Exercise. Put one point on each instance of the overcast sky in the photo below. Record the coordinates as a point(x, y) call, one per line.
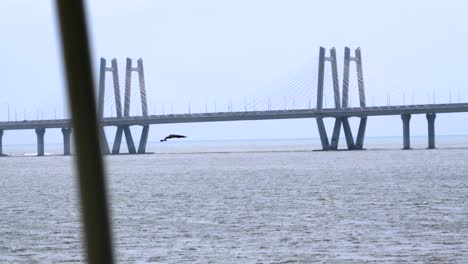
point(206, 53)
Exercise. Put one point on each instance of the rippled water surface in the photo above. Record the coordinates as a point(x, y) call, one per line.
point(291, 206)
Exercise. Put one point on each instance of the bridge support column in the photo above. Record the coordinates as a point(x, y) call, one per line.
point(323, 134)
point(1, 143)
point(40, 141)
point(336, 134)
point(431, 129)
point(361, 133)
point(117, 141)
point(66, 141)
point(129, 139)
point(104, 145)
point(143, 140)
point(320, 81)
point(348, 133)
point(406, 130)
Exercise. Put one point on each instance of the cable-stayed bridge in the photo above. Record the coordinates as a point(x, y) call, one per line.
point(254, 109)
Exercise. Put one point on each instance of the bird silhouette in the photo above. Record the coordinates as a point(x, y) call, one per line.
point(172, 136)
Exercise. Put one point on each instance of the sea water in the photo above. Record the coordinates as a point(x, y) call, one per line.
point(253, 201)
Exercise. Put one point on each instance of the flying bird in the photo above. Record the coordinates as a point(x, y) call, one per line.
point(172, 136)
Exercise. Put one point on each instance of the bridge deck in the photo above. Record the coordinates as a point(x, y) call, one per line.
point(247, 115)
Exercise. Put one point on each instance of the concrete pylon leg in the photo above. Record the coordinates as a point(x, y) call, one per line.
point(320, 81)
point(141, 79)
point(40, 141)
point(143, 139)
point(128, 87)
point(323, 134)
point(431, 129)
point(115, 76)
point(104, 144)
point(336, 85)
point(102, 88)
point(66, 140)
point(406, 130)
point(345, 96)
point(361, 133)
point(336, 134)
point(360, 77)
point(348, 134)
point(129, 139)
point(117, 141)
point(1, 143)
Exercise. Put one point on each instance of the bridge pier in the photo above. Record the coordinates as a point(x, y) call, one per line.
point(336, 134)
point(40, 141)
point(406, 130)
point(351, 143)
point(1, 143)
point(348, 134)
point(130, 143)
point(104, 145)
point(431, 129)
point(117, 141)
point(143, 140)
point(129, 139)
point(323, 134)
point(66, 141)
point(361, 133)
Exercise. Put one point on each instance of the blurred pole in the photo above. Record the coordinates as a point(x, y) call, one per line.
point(80, 81)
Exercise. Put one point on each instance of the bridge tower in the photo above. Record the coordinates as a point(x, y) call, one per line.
point(124, 129)
point(351, 143)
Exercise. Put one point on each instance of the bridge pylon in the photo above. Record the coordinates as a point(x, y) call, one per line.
point(343, 103)
point(124, 129)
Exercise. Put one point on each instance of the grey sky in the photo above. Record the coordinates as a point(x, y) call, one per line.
point(214, 51)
